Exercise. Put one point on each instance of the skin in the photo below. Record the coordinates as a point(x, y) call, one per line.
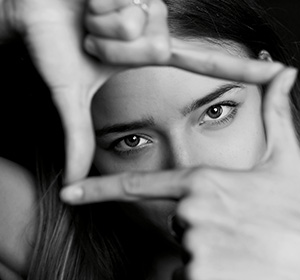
point(58, 35)
point(281, 156)
point(171, 134)
point(77, 28)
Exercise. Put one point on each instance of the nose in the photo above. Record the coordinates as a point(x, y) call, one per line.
point(181, 153)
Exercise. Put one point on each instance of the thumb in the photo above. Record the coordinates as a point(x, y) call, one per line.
point(280, 131)
point(79, 139)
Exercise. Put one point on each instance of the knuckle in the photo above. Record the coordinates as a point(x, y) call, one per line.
point(190, 178)
point(207, 177)
point(190, 241)
point(91, 47)
point(105, 53)
point(160, 49)
point(92, 25)
point(131, 183)
point(186, 211)
point(203, 184)
point(93, 191)
point(129, 29)
point(198, 180)
point(210, 64)
point(194, 271)
point(201, 256)
point(281, 109)
point(159, 8)
point(248, 71)
point(207, 174)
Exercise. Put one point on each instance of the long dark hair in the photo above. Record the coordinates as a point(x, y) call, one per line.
point(98, 241)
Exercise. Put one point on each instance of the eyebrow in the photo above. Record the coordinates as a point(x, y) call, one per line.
point(149, 122)
point(210, 97)
point(125, 127)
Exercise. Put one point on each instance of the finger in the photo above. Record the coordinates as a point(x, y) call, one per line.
point(107, 6)
point(79, 140)
point(207, 209)
point(280, 131)
point(74, 110)
point(130, 187)
point(136, 53)
point(151, 48)
point(213, 63)
point(125, 24)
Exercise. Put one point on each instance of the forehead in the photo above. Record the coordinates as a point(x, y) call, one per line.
point(152, 91)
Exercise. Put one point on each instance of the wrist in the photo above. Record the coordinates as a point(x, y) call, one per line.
point(7, 18)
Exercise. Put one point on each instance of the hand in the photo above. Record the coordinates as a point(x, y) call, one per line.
point(120, 34)
point(194, 59)
point(238, 224)
point(54, 32)
point(244, 225)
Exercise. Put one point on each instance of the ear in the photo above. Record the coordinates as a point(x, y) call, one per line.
point(265, 55)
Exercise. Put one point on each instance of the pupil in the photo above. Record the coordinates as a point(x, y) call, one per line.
point(132, 141)
point(215, 112)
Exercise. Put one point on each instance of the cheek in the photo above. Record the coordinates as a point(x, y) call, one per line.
point(240, 146)
point(154, 211)
point(108, 163)
point(241, 152)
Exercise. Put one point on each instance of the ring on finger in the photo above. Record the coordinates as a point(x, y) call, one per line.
point(143, 5)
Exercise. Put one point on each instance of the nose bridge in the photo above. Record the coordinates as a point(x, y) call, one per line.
point(182, 152)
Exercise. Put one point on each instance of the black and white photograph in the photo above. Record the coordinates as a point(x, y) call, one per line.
point(149, 140)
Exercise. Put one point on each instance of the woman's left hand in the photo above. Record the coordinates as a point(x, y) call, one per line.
point(56, 33)
point(237, 224)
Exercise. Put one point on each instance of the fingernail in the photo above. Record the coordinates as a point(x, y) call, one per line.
point(289, 79)
point(71, 194)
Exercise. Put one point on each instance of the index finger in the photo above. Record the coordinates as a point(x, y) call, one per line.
point(129, 187)
point(79, 139)
point(209, 62)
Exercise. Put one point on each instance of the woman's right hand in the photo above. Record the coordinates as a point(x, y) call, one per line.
point(246, 220)
point(236, 224)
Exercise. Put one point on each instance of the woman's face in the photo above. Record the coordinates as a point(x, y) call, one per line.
point(157, 118)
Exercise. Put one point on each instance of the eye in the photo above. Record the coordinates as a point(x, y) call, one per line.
point(215, 112)
point(221, 113)
point(130, 143)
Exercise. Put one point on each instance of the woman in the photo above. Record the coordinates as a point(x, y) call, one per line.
point(163, 118)
point(111, 246)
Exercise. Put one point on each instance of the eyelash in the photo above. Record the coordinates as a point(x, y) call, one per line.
point(132, 150)
point(224, 120)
